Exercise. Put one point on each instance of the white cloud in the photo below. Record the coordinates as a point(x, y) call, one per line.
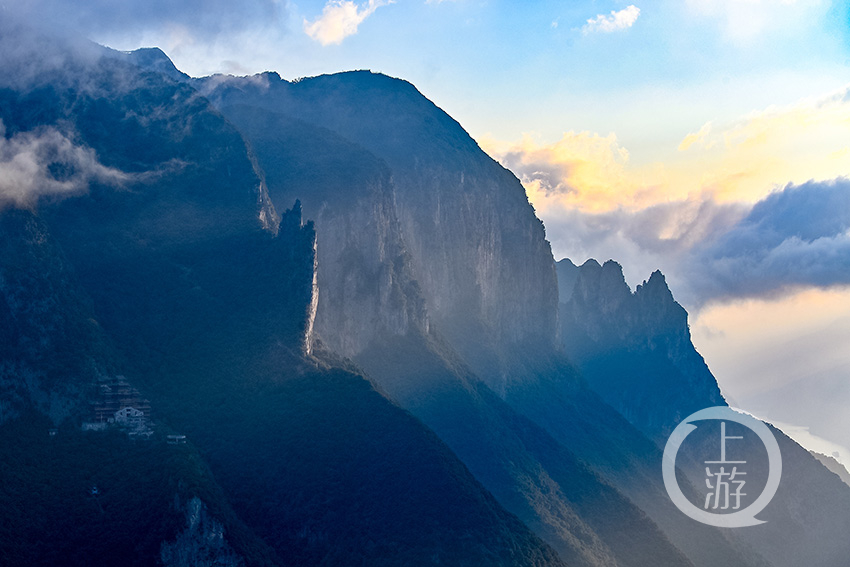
point(45, 162)
point(621, 20)
point(340, 19)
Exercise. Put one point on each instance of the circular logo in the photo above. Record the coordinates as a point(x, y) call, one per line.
point(722, 479)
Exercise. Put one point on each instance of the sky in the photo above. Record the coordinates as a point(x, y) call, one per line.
point(707, 138)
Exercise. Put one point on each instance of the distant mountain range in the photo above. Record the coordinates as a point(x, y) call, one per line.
point(343, 334)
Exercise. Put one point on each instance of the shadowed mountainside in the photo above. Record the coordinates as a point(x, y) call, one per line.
point(452, 380)
point(206, 299)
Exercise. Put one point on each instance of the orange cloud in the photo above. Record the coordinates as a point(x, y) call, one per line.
point(581, 170)
point(742, 161)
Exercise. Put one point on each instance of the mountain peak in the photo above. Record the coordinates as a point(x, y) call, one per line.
point(612, 274)
point(655, 289)
point(155, 59)
point(567, 273)
point(643, 341)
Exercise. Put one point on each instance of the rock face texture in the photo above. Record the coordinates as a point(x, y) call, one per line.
point(282, 347)
point(204, 296)
point(634, 349)
point(368, 291)
point(469, 236)
point(203, 542)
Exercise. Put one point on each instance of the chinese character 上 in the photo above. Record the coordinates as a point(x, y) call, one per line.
point(721, 484)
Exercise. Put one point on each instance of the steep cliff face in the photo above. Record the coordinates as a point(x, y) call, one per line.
point(367, 289)
point(634, 349)
point(475, 247)
point(471, 269)
point(207, 298)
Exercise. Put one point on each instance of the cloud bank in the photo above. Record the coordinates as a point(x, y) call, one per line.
point(796, 237)
point(340, 19)
point(47, 163)
point(732, 213)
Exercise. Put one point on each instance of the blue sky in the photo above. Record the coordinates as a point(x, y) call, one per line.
point(504, 68)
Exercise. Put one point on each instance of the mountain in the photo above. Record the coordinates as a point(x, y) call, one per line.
point(448, 369)
point(475, 247)
point(401, 380)
point(634, 350)
point(490, 409)
point(165, 261)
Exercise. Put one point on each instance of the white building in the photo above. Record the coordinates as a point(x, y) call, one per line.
point(130, 417)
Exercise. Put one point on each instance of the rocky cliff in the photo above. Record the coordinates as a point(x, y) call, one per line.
point(430, 254)
point(634, 349)
point(206, 298)
point(474, 245)
point(368, 290)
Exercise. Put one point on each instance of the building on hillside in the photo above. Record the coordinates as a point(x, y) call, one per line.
point(118, 402)
point(130, 417)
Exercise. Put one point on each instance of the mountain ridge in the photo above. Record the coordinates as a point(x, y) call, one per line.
point(207, 303)
point(333, 376)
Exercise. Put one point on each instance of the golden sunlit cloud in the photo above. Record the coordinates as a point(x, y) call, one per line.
point(581, 170)
point(782, 145)
point(741, 162)
point(695, 138)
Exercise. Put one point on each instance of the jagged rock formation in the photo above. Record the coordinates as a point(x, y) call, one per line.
point(474, 245)
point(634, 349)
point(368, 291)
